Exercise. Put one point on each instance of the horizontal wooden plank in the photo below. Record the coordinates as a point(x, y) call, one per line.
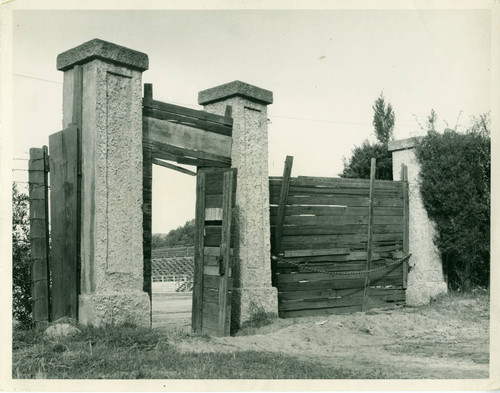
point(330, 241)
point(211, 321)
point(295, 210)
point(344, 183)
point(181, 110)
point(340, 220)
point(339, 201)
point(208, 126)
point(214, 182)
point(185, 156)
point(213, 214)
point(321, 311)
point(372, 301)
point(306, 253)
point(332, 293)
point(327, 257)
point(213, 282)
point(188, 138)
point(216, 200)
point(211, 295)
point(294, 230)
point(158, 151)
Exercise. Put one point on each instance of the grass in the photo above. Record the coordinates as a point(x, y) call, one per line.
point(128, 352)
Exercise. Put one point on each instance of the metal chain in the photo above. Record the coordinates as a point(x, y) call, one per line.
point(348, 273)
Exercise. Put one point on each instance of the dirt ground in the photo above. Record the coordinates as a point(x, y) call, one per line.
point(447, 339)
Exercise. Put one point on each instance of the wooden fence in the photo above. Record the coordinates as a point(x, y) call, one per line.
point(327, 232)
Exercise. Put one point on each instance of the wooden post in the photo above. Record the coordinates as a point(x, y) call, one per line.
point(227, 193)
point(147, 198)
point(198, 253)
point(406, 225)
point(280, 217)
point(369, 242)
point(39, 234)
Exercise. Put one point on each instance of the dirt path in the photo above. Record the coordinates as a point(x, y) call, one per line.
point(448, 339)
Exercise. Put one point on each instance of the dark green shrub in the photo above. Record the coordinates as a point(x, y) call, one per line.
point(21, 263)
point(455, 188)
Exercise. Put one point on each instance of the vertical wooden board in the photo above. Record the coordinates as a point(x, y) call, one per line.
point(225, 259)
point(406, 224)
point(147, 182)
point(39, 236)
point(369, 242)
point(196, 319)
point(64, 218)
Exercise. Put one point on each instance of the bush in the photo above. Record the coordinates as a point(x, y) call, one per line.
point(21, 262)
point(455, 188)
point(360, 163)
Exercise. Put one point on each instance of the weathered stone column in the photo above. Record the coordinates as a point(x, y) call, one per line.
point(252, 289)
point(111, 186)
point(425, 276)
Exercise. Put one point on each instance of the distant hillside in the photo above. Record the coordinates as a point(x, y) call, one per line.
point(180, 237)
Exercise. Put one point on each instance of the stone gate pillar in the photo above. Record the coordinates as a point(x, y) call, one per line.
point(425, 276)
point(252, 290)
point(111, 185)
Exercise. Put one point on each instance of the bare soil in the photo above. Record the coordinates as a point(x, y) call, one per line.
point(447, 339)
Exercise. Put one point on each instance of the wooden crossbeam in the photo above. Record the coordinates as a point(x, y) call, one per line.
point(174, 167)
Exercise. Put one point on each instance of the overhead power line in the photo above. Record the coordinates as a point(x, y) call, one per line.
point(38, 79)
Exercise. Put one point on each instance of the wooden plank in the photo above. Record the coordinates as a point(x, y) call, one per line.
point(224, 304)
point(199, 252)
point(213, 282)
point(340, 220)
point(344, 183)
point(164, 150)
point(332, 293)
point(205, 125)
point(216, 200)
point(309, 190)
point(210, 295)
point(406, 220)
point(369, 243)
point(174, 167)
point(213, 214)
point(339, 229)
point(147, 201)
point(197, 114)
point(178, 155)
point(315, 252)
point(372, 301)
point(214, 270)
point(64, 212)
point(293, 210)
point(188, 138)
point(341, 201)
point(39, 236)
point(280, 218)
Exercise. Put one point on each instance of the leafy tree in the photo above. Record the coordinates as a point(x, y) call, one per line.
point(21, 263)
point(455, 188)
point(358, 166)
point(181, 237)
point(383, 120)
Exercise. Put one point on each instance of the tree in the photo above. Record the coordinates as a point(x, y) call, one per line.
point(21, 262)
point(456, 191)
point(181, 237)
point(358, 166)
point(383, 120)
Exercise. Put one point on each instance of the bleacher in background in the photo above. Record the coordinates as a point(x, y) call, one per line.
point(173, 269)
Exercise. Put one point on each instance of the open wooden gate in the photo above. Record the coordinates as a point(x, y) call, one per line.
point(212, 291)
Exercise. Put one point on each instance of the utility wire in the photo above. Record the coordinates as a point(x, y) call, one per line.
point(38, 79)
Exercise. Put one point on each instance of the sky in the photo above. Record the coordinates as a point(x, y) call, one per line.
point(325, 68)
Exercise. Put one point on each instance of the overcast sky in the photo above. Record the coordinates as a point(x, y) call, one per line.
point(325, 68)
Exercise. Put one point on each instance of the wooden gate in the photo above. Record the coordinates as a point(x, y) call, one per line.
point(212, 291)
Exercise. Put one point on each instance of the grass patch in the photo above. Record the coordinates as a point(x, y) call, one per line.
point(128, 352)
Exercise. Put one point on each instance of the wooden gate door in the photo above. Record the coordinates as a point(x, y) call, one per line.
point(213, 282)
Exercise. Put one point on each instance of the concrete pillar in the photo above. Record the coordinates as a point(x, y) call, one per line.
point(252, 289)
point(425, 276)
point(111, 190)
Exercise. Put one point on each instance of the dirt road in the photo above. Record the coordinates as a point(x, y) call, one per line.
point(447, 339)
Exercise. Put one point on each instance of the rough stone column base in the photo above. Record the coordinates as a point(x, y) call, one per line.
point(115, 308)
point(249, 303)
point(420, 293)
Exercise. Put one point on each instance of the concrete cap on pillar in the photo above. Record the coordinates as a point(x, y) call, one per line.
point(235, 89)
point(404, 144)
point(103, 50)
